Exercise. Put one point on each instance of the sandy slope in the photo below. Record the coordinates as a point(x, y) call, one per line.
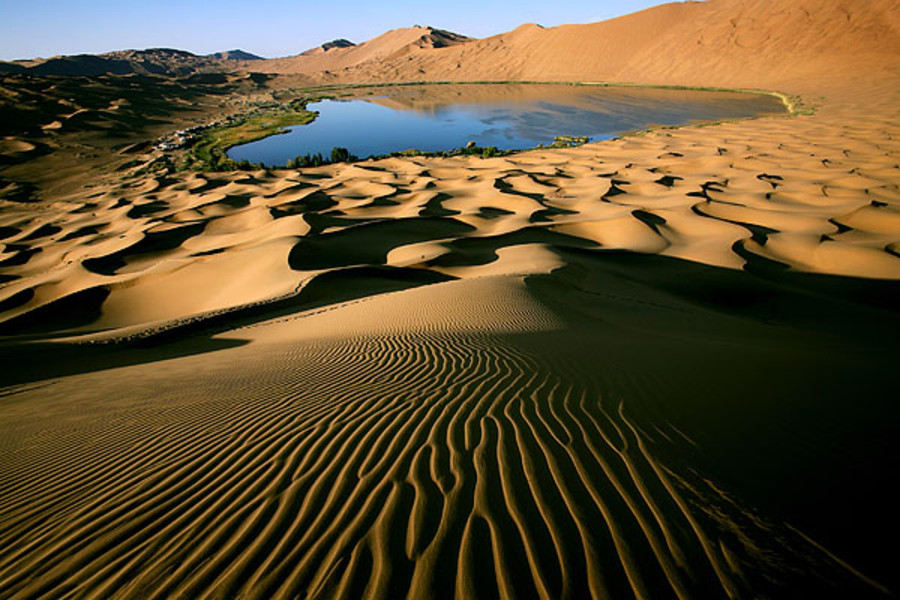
point(657, 366)
point(397, 44)
point(773, 45)
point(449, 440)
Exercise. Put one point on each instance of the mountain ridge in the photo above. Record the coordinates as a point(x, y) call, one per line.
point(148, 61)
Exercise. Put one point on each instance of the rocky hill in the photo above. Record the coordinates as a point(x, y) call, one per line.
point(152, 61)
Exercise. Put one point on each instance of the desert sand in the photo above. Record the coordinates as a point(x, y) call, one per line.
point(657, 366)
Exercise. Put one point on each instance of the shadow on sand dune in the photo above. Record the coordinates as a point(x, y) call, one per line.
point(673, 427)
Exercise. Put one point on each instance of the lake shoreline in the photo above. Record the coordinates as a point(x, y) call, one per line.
point(791, 105)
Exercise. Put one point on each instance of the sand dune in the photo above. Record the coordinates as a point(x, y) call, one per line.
point(776, 45)
point(433, 442)
point(657, 366)
point(396, 44)
point(674, 197)
point(475, 437)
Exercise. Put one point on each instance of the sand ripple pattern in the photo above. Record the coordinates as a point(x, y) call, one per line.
point(425, 464)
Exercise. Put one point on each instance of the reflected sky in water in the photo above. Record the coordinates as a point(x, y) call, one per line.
point(508, 117)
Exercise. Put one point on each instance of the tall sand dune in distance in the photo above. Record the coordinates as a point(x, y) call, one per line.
point(687, 43)
point(397, 44)
point(651, 367)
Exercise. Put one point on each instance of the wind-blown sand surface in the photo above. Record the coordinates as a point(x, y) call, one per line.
point(657, 366)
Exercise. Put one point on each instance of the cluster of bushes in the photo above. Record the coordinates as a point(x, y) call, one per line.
point(570, 140)
point(316, 160)
point(211, 157)
point(217, 162)
point(483, 152)
point(214, 159)
point(244, 165)
point(469, 150)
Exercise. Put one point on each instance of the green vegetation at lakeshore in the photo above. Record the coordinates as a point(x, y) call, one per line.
point(339, 155)
point(208, 151)
point(471, 149)
point(316, 160)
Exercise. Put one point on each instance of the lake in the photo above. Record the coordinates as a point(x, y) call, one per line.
point(433, 118)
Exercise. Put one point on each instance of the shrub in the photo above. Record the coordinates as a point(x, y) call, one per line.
point(340, 155)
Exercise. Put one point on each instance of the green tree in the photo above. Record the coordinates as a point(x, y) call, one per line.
point(339, 155)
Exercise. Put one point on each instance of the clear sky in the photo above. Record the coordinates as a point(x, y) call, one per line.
point(270, 28)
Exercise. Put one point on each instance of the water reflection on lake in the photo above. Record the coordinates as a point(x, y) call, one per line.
point(432, 118)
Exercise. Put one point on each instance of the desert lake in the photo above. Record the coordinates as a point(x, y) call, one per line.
point(436, 118)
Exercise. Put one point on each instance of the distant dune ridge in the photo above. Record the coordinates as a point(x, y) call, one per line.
point(657, 366)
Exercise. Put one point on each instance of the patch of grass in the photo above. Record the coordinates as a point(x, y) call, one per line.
point(209, 152)
point(795, 104)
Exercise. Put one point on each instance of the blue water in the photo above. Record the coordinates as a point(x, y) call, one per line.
point(506, 116)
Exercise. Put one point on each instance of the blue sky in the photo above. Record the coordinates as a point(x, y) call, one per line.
point(32, 28)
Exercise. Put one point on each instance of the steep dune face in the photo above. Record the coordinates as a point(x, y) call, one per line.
point(772, 42)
